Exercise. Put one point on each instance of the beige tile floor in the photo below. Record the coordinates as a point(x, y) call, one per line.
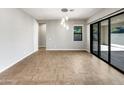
point(61, 67)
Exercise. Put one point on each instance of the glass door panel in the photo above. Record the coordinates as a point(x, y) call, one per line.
point(95, 38)
point(117, 41)
point(104, 48)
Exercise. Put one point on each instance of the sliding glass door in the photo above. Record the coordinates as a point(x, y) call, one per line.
point(95, 38)
point(104, 48)
point(107, 40)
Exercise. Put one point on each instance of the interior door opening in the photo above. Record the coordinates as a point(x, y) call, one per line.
point(42, 36)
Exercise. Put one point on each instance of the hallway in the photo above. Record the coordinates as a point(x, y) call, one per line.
point(61, 67)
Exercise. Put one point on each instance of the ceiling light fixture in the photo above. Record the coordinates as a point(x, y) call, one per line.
point(64, 20)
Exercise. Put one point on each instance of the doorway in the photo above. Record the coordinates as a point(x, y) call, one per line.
point(42, 36)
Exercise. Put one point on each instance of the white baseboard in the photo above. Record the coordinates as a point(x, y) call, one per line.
point(17, 61)
point(42, 46)
point(66, 49)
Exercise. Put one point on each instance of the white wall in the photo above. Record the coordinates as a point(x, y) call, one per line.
point(58, 38)
point(18, 36)
point(98, 15)
point(42, 35)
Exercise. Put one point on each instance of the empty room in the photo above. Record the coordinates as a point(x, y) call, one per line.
point(61, 46)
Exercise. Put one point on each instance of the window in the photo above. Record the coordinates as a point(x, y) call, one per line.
point(77, 33)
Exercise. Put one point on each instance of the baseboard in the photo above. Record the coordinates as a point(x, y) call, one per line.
point(41, 46)
point(12, 64)
point(87, 50)
point(66, 50)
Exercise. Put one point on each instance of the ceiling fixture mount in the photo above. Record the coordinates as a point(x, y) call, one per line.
point(67, 10)
point(71, 10)
point(64, 10)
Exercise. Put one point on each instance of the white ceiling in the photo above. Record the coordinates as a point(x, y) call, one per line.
point(55, 13)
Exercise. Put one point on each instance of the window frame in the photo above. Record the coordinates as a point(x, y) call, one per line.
point(78, 33)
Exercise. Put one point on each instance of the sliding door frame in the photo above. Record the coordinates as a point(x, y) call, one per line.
point(91, 39)
point(109, 40)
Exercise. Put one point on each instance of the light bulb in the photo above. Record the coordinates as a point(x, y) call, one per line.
point(66, 18)
point(67, 27)
point(64, 25)
point(62, 21)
